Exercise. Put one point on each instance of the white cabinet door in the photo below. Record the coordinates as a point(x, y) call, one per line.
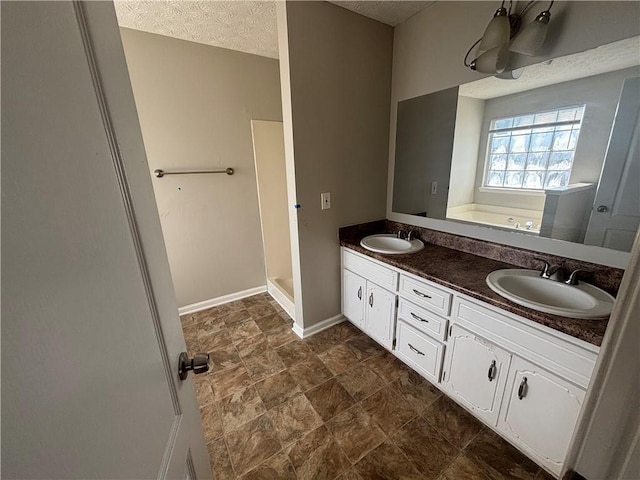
point(476, 373)
point(539, 412)
point(380, 314)
point(353, 295)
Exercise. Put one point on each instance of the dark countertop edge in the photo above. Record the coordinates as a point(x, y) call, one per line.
point(588, 330)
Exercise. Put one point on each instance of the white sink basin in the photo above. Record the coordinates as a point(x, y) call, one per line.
point(389, 243)
point(529, 289)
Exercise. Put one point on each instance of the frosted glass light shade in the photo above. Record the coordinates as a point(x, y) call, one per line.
point(497, 33)
point(530, 40)
point(510, 74)
point(492, 61)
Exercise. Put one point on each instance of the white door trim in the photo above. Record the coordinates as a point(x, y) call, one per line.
point(604, 436)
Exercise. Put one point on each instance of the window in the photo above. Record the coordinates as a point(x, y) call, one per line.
point(533, 151)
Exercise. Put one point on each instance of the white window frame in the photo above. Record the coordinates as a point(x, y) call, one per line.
point(555, 124)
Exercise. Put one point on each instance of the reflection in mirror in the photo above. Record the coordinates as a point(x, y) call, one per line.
point(553, 154)
point(423, 165)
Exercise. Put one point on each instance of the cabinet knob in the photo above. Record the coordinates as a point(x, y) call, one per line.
point(492, 371)
point(522, 389)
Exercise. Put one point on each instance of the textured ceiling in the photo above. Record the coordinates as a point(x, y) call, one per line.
point(391, 12)
point(607, 58)
point(247, 26)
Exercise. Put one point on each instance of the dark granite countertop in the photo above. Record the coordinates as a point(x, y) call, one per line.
point(466, 273)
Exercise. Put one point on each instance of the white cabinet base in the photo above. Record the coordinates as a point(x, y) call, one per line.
point(487, 354)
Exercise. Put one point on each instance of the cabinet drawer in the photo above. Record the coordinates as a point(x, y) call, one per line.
point(418, 350)
point(425, 294)
point(382, 276)
point(422, 319)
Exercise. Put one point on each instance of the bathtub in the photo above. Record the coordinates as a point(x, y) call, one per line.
point(523, 220)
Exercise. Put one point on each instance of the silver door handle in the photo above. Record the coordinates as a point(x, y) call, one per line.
point(522, 389)
point(492, 371)
point(602, 209)
point(360, 293)
point(415, 349)
point(371, 299)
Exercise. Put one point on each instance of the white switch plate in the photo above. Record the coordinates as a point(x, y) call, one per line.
point(325, 200)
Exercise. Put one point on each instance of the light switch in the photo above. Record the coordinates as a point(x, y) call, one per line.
point(434, 188)
point(325, 200)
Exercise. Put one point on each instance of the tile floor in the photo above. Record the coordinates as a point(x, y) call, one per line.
point(333, 406)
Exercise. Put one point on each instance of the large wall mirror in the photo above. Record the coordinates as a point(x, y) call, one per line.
point(553, 154)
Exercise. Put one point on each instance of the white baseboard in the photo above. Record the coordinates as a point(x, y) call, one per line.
point(196, 307)
point(281, 298)
point(318, 327)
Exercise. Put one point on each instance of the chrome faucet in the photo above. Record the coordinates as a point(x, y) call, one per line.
point(399, 233)
point(552, 272)
point(573, 278)
point(410, 235)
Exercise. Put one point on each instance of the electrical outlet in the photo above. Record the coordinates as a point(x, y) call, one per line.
point(325, 200)
point(434, 188)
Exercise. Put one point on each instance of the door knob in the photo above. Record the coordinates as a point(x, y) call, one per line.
point(198, 364)
point(603, 209)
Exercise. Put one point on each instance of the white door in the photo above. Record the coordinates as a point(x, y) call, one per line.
point(539, 412)
point(616, 212)
point(90, 331)
point(380, 314)
point(476, 373)
point(353, 293)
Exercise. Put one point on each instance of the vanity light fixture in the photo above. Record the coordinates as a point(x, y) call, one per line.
point(529, 41)
point(495, 44)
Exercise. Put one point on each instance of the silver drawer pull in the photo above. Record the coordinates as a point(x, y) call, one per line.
point(360, 293)
point(419, 318)
point(415, 349)
point(420, 294)
point(371, 299)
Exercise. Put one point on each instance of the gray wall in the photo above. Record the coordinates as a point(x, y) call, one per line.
point(340, 73)
point(195, 104)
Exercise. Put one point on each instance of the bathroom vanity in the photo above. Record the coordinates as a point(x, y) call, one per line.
point(522, 373)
